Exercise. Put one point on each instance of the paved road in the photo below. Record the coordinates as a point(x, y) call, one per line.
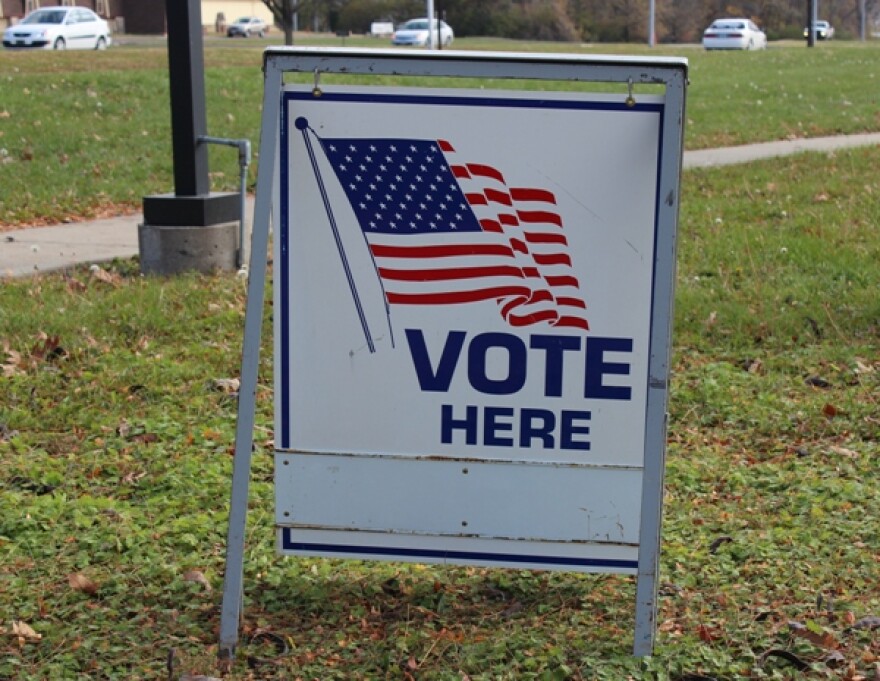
point(44, 249)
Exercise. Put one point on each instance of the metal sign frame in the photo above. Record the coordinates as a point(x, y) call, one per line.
point(670, 73)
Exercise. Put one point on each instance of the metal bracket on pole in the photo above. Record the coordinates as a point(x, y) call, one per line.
point(244, 160)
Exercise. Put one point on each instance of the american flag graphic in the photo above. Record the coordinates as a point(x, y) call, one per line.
point(442, 231)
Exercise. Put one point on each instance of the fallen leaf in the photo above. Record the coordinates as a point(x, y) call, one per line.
point(814, 634)
point(227, 385)
point(863, 367)
point(830, 410)
point(104, 276)
point(198, 577)
point(867, 623)
point(715, 545)
point(79, 582)
point(834, 659)
point(24, 631)
point(817, 382)
point(123, 429)
point(785, 655)
point(843, 451)
point(708, 634)
point(74, 285)
point(144, 438)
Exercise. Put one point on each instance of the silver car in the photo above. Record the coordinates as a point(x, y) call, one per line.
point(247, 26)
point(59, 28)
point(415, 32)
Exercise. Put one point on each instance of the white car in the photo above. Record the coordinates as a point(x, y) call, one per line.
point(59, 28)
point(415, 32)
point(734, 34)
point(824, 31)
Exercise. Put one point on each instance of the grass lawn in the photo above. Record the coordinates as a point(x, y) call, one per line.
point(116, 427)
point(83, 134)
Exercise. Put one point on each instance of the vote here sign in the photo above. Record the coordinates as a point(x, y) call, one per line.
point(464, 284)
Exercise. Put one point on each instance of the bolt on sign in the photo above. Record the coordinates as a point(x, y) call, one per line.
point(472, 309)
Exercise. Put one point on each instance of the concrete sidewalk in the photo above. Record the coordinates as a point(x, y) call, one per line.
point(45, 249)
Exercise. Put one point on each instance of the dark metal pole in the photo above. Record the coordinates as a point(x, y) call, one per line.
point(811, 29)
point(193, 228)
point(188, 118)
point(862, 20)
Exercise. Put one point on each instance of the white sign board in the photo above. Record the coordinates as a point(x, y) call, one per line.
point(463, 305)
point(472, 311)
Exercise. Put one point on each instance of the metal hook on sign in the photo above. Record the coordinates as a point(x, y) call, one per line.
point(630, 100)
point(316, 91)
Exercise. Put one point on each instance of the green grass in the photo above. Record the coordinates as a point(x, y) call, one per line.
point(115, 469)
point(83, 135)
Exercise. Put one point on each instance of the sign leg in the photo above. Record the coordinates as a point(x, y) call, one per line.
point(244, 436)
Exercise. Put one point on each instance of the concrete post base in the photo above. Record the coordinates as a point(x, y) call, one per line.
point(189, 233)
point(172, 250)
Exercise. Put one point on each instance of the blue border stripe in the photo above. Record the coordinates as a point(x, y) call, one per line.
point(451, 556)
point(284, 245)
point(462, 100)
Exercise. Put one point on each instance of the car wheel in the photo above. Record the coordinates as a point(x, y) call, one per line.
point(59, 44)
point(261, 33)
point(101, 44)
point(751, 44)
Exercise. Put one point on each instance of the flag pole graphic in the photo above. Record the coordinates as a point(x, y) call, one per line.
point(302, 124)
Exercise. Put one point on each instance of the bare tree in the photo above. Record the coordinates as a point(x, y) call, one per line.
point(283, 11)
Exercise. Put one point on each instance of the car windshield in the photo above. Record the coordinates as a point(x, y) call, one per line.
point(243, 20)
point(46, 17)
point(416, 25)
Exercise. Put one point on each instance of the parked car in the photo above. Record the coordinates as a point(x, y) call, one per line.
point(246, 27)
point(734, 34)
point(59, 28)
point(824, 31)
point(415, 32)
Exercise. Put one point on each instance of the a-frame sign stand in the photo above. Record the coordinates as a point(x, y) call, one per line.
point(582, 459)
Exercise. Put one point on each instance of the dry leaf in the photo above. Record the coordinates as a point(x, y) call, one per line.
point(24, 631)
point(830, 410)
point(79, 582)
point(843, 451)
point(104, 276)
point(871, 623)
point(13, 364)
point(227, 385)
point(198, 577)
point(863, 367)
point(814, 634)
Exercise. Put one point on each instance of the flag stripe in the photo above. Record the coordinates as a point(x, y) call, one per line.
point(452, 273)
point(455, 297)
point(439, 251)
point(528, 194)
point(539, 216)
